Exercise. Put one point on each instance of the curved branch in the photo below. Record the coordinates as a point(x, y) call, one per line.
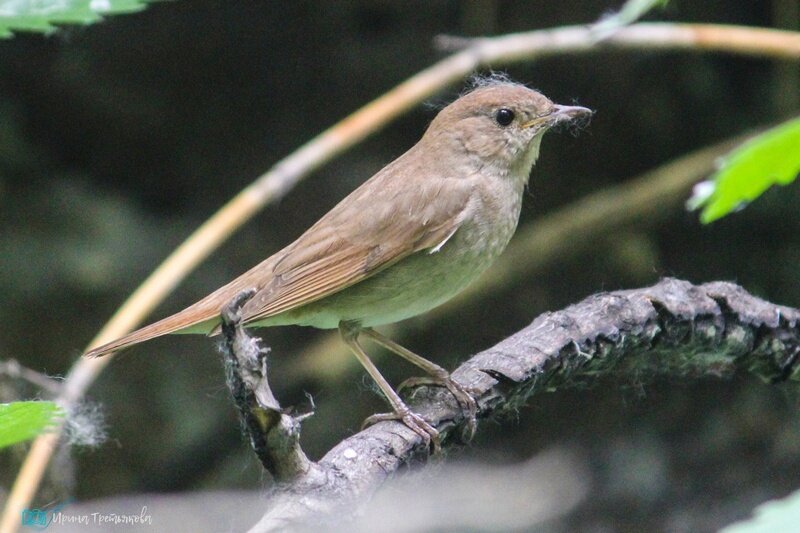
point(673, 328)
point(288, 172)
point(763, 42)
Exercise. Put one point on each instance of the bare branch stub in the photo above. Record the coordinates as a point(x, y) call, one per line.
point(673, 328)
point(274, 434)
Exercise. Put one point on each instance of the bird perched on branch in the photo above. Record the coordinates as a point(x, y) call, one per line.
point(407, 240)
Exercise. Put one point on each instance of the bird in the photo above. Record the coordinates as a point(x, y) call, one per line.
point(405, 241)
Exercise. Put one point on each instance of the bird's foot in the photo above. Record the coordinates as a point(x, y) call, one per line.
point(464, 398)
point(414, 422)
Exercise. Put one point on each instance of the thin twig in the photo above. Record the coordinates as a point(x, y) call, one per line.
point(673, 329)
point(343, 135)
point(13, 369)
point(761, 42)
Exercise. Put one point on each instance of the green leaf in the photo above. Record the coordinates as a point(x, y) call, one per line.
point(766, 160)
point(777, 515)
point(41, 15)
point(631, 11)
point(20, 421)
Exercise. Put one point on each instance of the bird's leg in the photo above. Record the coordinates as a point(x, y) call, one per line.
point(419, 425)
point(439, 377)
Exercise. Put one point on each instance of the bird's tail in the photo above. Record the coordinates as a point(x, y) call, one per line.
point(201, 317)
point(189, 320)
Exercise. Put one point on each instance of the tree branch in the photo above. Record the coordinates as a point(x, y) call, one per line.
point(274, 434)
point(671, 329)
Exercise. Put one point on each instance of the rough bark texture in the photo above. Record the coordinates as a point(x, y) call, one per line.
point(274, 435)
point(671, 329)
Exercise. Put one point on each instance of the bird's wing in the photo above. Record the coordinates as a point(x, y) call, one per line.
point(360, 238)
point(371, 229)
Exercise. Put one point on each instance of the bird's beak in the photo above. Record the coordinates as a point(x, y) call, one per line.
point(560, 113)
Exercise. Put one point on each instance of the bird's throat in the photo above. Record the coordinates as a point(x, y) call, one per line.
point(530, 157)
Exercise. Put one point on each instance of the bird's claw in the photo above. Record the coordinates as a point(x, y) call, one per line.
point(464, 398)
point(414, 422)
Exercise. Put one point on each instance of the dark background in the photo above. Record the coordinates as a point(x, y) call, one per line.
point(118, 139)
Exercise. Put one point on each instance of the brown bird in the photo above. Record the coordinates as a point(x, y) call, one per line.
point(408, 239)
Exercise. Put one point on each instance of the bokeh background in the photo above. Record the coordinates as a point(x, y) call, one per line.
point(118, 139)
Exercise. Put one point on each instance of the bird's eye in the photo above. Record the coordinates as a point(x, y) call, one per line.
point(504, 116)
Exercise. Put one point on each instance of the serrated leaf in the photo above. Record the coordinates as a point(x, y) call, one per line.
point(20, 421)
point(776, 515)
point(42, 15)
point(772, 158)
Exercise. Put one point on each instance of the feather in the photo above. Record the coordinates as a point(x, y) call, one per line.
point(377, 225)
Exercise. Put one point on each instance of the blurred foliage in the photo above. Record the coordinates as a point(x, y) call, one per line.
point(42, 15)
point(766, 160)
point(772, 517)
point(21, 421)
